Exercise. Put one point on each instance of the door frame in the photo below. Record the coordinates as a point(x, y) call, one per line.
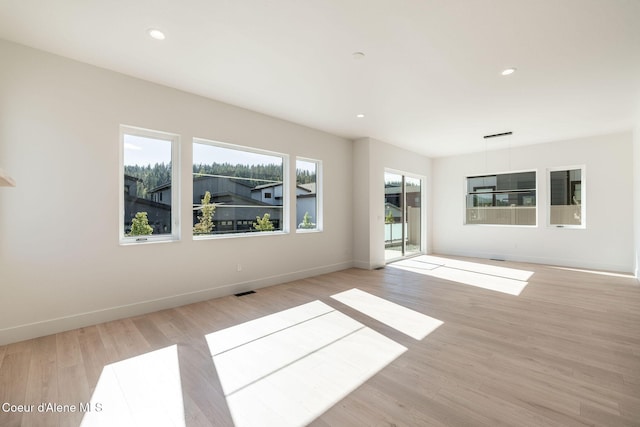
point(423, 212)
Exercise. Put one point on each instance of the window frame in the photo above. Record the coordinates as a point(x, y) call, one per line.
point(285, 190)
point(583, 201)
point(174, 139)
point(482, 174)
point(319, 206)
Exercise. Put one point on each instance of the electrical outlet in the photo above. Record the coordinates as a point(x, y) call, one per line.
point(239, 267)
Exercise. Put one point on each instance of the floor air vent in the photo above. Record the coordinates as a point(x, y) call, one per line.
point(241, 294)
point(496, 135)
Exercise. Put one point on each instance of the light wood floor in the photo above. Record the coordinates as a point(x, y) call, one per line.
point(565, 352)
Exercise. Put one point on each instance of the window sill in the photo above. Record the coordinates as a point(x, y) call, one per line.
point(308, 230)
point(240, 235)
point(502, 225)
point(134, 242)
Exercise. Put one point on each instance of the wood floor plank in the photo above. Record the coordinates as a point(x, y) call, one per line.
point(14, 373)
point(72, 390)
point(94, 355)
point(565, 352)
point(73, 387)
point(123, 338)
point(201, 386)
point(42, 383)
point(3, 350)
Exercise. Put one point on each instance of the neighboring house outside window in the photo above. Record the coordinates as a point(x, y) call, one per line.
point(502, 199)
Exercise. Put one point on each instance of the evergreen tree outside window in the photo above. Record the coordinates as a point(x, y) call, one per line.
point(140, 225)
point(205, 219)
point(306, 222)
point(264, 223)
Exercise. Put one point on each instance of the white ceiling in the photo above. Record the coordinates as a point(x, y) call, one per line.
point(430, 79)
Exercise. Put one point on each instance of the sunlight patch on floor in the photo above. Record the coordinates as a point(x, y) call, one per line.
point(243, 333)
point(601, 273)
point(139, 391)
point(416, 263)
point(307, 359)
point(500, 279)
point(476, 267)
point(405, 320)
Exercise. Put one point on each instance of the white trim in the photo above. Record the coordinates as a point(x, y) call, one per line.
point(175, 185)
point(6, 180)
point(308, 230)
point(583, 201)
point(239, 235)
point(237, 147)
point(64, 323)
point(540, 260)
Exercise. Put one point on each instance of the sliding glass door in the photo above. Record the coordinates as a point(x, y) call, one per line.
point(393, 216)
point(403, 216)
point(413, 216)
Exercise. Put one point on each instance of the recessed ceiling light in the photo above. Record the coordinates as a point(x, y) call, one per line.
point(508, 71)
point(156, 34)
point(358, 55)
point(360, 116)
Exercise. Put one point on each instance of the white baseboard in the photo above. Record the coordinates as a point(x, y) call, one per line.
point(66, 323)
point(561, 262)
point(364, 265)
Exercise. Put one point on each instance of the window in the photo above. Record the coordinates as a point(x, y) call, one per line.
point(308, 195)
point(149, 203)
point(566, 197)
point(502, 199)
point(237, 190)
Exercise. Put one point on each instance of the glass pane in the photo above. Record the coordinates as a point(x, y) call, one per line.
point(306, 195)
point(147, 186)
point(236, 191)
point(516, 181)
point(505, 199)
point(393, 215)
point(479, 184)
point(566, 197)
point(414, 216)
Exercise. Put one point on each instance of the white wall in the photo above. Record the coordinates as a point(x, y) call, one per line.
point(636, 195)
point(371, 158)
point(361, 203)
point(607, 242)
point(61, 265)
